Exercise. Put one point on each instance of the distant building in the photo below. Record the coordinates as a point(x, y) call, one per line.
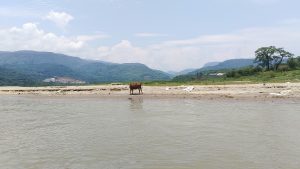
point(64, 80)
point(216, 74)
point(49, 80)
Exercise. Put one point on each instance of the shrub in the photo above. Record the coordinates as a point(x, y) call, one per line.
point(271, 74)
point(233, 73)
point(293, 62)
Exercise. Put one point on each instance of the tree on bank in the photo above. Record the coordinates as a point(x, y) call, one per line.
point(281, 55)
point(271, 57)
point(294, 62)
point(263, 56)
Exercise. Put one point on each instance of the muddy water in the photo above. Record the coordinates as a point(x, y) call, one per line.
point(91, 133)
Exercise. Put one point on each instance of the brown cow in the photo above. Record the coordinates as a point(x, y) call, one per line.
point(135, 85)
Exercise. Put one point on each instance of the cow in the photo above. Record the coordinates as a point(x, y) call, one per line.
point(135, 85)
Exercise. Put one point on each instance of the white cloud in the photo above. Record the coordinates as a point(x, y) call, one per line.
point(123, 52)
point(61, 19)
point(195, 52)
point(30, 37)
point(149, 35)
point(167, 55)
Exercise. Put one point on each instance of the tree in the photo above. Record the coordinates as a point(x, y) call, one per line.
point(279, 58)
point(271, 57)
point(298, 59)
point(292, 63)
point(199, 75)
point(264, 56)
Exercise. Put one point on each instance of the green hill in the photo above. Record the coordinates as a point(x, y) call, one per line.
point(228, 64)
point(37, 66)
point(102, 72)
point(10, 77)
point(221, 67)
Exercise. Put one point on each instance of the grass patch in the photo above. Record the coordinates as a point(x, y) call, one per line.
point(259, 77)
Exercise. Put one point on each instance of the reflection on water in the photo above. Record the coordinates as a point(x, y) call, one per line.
point(136, 104)
point(78, 133)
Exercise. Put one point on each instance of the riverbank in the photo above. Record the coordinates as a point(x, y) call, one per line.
point(269, 90)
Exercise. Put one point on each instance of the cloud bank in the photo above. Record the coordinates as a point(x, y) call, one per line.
point(195, 52)
point(166, 55)
point(61, 19)
point(30, 37)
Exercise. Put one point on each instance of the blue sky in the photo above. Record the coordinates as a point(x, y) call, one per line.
point(163, 34)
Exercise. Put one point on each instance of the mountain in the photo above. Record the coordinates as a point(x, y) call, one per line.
point(228, 64)
point(11, 77)
point(36, 58)
point(222, 66)
point(36, 66)
point(211, 64)
point(185, 71)
point(102, 72)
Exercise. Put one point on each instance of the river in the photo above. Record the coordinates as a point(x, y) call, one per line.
point(38, 132)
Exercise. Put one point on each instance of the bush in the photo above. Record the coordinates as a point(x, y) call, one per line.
point(233, 73)
point(272, 75)
point(293, 62)
point(298, 59)
point(248, 71)
point(258, 69)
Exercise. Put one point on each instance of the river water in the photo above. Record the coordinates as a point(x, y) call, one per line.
point(91, 133)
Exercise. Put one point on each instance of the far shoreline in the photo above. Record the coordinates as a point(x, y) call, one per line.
point(263, 91)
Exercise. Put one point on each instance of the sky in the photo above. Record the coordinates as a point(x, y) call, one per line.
point(170, 35)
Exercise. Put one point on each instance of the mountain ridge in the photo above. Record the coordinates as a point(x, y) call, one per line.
point(42, 65)
point(221, 67)
point(227, 64)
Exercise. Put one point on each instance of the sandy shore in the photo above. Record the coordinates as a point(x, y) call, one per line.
point(269, 90)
